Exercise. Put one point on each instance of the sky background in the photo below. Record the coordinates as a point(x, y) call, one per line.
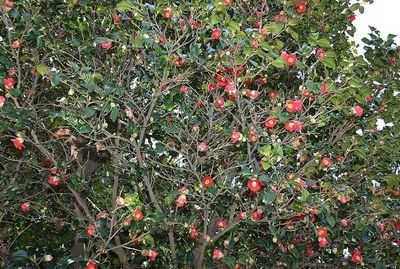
point(383, 15)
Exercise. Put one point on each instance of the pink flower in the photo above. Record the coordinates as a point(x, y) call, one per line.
point(220, 102)
point(53, 181)
point(236, 136)
point(289, 58)
point(18, 143)
point(203, 146)
point(321, 53)
point(106, 45)
point(358, 111)
point(2, 101)
point(216, 34)
point(217, 255)
point(9, 83)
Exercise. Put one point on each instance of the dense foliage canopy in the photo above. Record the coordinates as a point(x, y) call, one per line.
point(196, 134)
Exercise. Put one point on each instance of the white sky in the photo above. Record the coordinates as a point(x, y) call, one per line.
point(383, 15)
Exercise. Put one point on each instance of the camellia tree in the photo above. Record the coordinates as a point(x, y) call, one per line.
point(196, 134)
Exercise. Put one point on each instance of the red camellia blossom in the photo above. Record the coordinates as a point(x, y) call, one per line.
point(16, 44)
point(242, 215)
point(252, 94)
point(356, 257)
point(24, 207)
point(323, 242)
point(184, 89)
point(193, 233)
point(344, 199)
point(207, 182)
point(18, 143)
point(235, 136)
point(91, 265)
point(310, 251)
point(326, 162)
point(223, 80)
point(9, 83)
point(255, 44)
point(270, 123)
point(106, 45)
point(152, 254)
point(293, 126)
point(90, 230)
point(211, 87)
point(217, 255)
point(2, 101)
point(294, 106)
point(181, 201)
point(216, 34)
point(289, 58)
point(228, 2)
point(117, 18)
point(203, 146)
point(255, 185)
point(222, 223)
point(230, 88)
point(273, 95)
point(167, 13)
point(256, 214)
point(352, 17)
point(138, 215)
point(53, 181)
point(54, 171)
point(321, 53)
point(322, 232)
point(392, 59)
point(8, 4)
point(397, 225)
point(324, 89)
point(220, 102)
point(301, 6)
point(358, 111)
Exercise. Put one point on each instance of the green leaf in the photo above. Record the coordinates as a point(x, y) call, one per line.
point(88, 112)
point(279, 63)
point(55, 79)
point(323, 42)
point(85, 129)
point(114, 114)
point(329, 62)
point(269, 197)
point(42, 69)
point(124, 5)
point(331, 220)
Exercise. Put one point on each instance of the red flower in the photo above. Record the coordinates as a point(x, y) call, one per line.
point(181, 201)
point(207, 182)
point(326, 162)
point(310, 251)
point(152, 254)
point(358, 111)
point(16, 44)
point(321, 53)
point(117, 18)
point(8, 4)
point(324, 89)
point(352, 17)
point(228, 2)
point(392, 59)
point(369, 98)
point(256, 215)
point(203, 147)
point(91, 265)
point(290, 59)
point(222, 80)
point(242, 215)
point(167, 13)
point(211, 87)
point(184, 89)
point(306, 92)
point(230, 88)
point(270, 123)
point(322, 232)
point(195, 24)
point(138, 215)
point(344, 199)
point(255, 185)
point(216, 34)
point(193, 233)
point(18, 143)
point(294, 106)
point(24, 207)
point(217, 255)
point(273, 95)
point(255, 44)
point(90, 230)
point(293, 126)
point(344, 222)
point(397, 225)
point(220, 102)
point(356, 257)
point(301, 7)
point(323, 242)
point(9, 83)
point(222, 223)
point(2, 101)
point(53, 181)
point(106, 45)
point(54, 171)
point(235, 136)
point(252, 94)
